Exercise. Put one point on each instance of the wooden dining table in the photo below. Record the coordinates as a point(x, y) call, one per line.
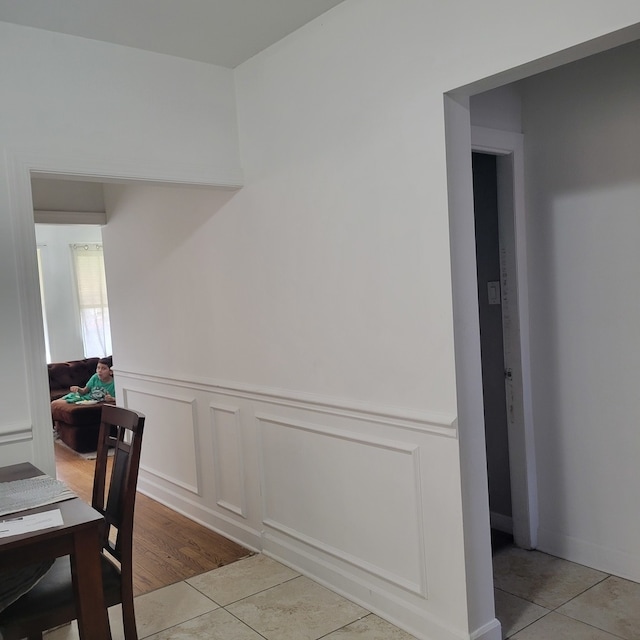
point(79, 537)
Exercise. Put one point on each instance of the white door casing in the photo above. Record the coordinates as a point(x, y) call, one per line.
point(508, 147)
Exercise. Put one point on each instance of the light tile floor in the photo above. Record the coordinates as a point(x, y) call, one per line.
point(538, 597)
point(251, 599)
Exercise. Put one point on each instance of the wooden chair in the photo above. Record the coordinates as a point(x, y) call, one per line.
point(51, 602)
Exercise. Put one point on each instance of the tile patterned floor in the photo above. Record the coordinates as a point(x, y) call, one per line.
point(251, 599)
point(538, 597)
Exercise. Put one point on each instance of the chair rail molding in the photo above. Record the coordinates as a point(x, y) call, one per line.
point(15, 432)
point(417, 420)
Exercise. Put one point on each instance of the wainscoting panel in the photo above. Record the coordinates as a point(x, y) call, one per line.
point(349, 494)
point(340, 502)
point(170, 440)
point(228, 458)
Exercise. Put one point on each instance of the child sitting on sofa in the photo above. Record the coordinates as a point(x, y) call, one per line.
point(100, 387)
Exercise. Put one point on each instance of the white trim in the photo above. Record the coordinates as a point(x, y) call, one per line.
point(98, 169)
point(500, 522)
point(12, 433)
point(409, 449)
point(28, 281)
point(415, 420)
point(21, 167)
point(490, 631)
point(466, 327)
point(603, 558)
point(521, 435)
point(44, 216)
point(239, 509)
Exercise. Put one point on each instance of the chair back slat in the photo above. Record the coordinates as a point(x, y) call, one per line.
point(114, 493)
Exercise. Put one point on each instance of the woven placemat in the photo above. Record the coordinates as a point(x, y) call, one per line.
point(28, 493)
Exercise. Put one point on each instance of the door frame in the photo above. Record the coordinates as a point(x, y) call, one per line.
point(21, 166)
point(508, 147)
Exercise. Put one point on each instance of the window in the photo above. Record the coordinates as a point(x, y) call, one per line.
point(91, 286)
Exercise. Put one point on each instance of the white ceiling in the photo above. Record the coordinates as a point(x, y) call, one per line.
point(222, 32)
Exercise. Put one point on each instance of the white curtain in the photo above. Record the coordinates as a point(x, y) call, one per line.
point(91, 286)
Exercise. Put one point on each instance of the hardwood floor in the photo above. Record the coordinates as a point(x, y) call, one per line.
point(167, 547)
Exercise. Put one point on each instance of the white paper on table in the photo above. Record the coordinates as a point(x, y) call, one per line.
point(33, 522)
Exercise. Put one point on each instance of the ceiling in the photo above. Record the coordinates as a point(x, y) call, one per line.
point(221, 32)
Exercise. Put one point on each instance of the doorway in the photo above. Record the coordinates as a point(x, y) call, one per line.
point(69, 216)
point(494, 367)
point(498, 187)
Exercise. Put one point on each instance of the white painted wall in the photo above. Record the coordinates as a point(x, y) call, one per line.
point(67, 195)
point(499, 108)
point(73, 97)
point(304, 325)
point(288, 468)
point(61, 301)
point(75, 106)
point(583, 172)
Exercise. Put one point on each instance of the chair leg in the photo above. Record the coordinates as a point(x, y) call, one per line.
point(129, 621)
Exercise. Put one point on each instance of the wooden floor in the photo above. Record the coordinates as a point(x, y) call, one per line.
point(167, 547)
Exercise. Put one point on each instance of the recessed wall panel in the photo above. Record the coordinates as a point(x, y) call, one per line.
point(354, 497)
point(228, 458)
point(169, 445)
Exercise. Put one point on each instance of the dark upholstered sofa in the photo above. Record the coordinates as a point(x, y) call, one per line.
point(76, 425)
point(63, 375)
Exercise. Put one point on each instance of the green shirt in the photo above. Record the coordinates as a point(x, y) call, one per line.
point(98, 389)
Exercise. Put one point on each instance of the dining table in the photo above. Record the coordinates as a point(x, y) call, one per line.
point(79, 536)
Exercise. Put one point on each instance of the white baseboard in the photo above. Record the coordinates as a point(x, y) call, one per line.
point(490, 631)
point(605, 559)
point(500, 522)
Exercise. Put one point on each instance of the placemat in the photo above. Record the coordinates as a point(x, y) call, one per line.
point(28, 493)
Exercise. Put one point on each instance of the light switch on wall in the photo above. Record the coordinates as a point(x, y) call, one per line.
point(494, 292)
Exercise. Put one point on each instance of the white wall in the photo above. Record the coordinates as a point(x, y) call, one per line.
point(300, 332)
point(583, 172)
point(75, 106)
point(61, 302)
point(290, 470)
point(73, 97)
point(311, 322)
point(499, 108)
point(67, 196)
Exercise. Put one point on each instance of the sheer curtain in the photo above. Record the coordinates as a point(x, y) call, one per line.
point(91, 286)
